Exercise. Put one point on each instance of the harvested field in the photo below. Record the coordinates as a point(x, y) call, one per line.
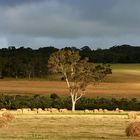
point(129, 90)
point(66, 127)
point(123, 83)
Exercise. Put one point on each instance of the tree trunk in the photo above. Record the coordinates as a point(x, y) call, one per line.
point(73, 106)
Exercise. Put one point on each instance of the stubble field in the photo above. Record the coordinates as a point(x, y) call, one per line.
point(123, 83)
point(67, 127)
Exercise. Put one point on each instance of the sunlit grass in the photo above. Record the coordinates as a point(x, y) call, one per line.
point(66, 127)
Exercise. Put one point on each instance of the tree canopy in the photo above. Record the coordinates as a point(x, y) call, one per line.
point(27, 62)
point(78, 73)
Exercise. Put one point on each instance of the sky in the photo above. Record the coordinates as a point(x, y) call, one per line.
point(67, 23)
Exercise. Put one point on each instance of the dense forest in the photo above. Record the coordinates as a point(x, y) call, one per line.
point(27, 62)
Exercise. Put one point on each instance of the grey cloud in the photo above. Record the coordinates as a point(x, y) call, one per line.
point(16, 2)
point(69, 20)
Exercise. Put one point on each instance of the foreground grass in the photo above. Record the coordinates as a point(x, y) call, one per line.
point(66, 127)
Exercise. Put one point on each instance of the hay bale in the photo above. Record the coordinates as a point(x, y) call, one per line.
point(117, 110)
point(8, 116)
point(132, 115)
point(100, 110)
point(63, 110)
point(29, 109)
point(105, 110)
point(25, 110)
point(34, 109)
point(86, 111)
point(133, 129)
point(3, 109)
point(95, 110)
point(48, 109)
point(40, 110)
point(54, 110)
point(19, 111)
point(3, 122)
point(121, 111)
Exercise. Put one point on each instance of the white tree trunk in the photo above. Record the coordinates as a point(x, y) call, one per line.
point(73, 106)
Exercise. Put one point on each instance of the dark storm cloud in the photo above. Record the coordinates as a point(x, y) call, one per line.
point(16, 2)
point(69, 20)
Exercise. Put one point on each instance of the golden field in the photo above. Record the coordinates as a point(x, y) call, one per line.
point(67, 127)
point(124, 82)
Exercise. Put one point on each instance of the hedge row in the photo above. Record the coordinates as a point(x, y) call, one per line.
point(54, 101)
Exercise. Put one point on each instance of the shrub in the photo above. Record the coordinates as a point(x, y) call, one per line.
point(54, 96)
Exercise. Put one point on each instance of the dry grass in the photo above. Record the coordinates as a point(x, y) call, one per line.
point(67, 127)
point(47, 87)
point(124, 82)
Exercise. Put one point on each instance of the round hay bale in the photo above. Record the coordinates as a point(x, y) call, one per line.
point(40, 110)
point(54, 110)
point(100, 110)
point(121, 111)
point(25, 110)
point(3, 109)
point(48, 109)
point(132, 115)
point(3, 122)
point(105, 110)
point(95, 110)
point(8, 116)
point(133, 129)
point(86, 111)
point(34, 109)
point(63, 110)
point(19, 111)
point(29, 109)
point(117, 110)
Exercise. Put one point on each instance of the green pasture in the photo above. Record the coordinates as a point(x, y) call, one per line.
point(125, 66)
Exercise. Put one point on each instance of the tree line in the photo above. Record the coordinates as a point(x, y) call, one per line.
point(27, 62)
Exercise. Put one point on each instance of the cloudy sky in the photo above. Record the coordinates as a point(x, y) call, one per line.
point(61, 23)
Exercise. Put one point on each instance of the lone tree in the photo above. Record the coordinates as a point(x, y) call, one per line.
point(77, 73)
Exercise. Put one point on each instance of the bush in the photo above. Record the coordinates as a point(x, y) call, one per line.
point(55, 101)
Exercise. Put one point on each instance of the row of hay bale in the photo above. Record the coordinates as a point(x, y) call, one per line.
point(103, 110)
point(40, 110)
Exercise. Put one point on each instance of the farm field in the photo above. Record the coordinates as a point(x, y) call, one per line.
point(66, 127)
point(123, 83)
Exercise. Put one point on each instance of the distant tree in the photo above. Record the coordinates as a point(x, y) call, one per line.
point(77, 73)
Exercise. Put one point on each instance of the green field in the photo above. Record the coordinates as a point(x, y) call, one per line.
point(125, 66)
point(66, 127)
